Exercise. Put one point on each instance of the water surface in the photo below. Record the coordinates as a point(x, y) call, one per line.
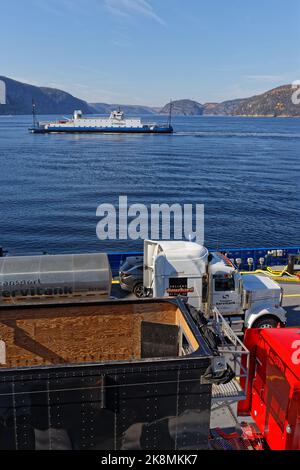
point(245, 171)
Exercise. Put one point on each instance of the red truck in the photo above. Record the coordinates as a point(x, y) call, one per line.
point(273, 393)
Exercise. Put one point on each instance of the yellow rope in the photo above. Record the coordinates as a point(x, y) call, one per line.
point(291, 295)
point(278, 273)
point(282, 276)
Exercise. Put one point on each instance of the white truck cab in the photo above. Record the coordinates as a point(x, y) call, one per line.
point(224, 285)
point(207, 280)
point(262, 298)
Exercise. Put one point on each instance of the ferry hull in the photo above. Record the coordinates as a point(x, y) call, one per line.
point(74, 130)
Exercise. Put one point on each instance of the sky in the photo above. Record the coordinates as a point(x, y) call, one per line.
point(149, 51)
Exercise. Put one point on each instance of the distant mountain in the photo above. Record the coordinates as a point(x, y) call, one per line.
point(183, 108)
point(225, 108)
point(275, 102)
point(48, 100)
point(133, 110)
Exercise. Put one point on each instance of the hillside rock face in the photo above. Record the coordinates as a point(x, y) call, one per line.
point(226, 108)
point(276, 102)
point(19, 98)
point(183, 108)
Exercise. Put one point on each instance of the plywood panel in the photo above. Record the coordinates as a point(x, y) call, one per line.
point(182, 323)
point(75, 334)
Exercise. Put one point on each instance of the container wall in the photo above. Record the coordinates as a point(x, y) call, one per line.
point(62, 385)
point(155, 407)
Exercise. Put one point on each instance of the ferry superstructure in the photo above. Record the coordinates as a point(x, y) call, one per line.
point(115, 123)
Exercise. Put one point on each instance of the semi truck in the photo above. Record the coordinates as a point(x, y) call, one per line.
point(209, 279)
point(273, 389)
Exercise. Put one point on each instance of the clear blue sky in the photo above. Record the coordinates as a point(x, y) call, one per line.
point(146, 51)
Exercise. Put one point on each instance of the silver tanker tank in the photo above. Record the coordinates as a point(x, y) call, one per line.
point(39, 278)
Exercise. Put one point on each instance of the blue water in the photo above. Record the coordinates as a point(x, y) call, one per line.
point(245, 171)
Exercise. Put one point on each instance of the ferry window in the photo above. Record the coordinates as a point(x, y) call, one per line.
point(223, 283)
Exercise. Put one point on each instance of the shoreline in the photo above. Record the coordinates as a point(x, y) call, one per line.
point(175, 115)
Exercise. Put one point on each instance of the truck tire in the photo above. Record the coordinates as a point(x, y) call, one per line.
point(138, 290)
point(266, 322)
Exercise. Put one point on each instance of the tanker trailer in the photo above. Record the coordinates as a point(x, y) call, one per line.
point(26, 279)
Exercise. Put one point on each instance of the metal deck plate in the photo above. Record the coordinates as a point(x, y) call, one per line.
point(230, 391)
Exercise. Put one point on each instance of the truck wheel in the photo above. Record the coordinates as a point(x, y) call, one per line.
point(266, 322)
point(138, 290)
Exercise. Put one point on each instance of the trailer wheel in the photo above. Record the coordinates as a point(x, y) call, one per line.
point(266, 322)
point(138, 290)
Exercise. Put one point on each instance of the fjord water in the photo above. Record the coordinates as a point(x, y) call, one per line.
point(245, 171)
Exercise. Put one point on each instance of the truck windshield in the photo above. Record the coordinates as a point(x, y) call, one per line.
point(223, 283)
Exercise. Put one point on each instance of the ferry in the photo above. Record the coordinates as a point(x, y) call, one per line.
point(116, 123)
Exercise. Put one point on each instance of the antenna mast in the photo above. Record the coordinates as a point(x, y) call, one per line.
point(170, 114)
point(34, 114)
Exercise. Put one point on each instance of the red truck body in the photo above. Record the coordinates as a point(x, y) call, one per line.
point(273, 394)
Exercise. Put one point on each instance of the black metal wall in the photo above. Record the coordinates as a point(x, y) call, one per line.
point(151, 405)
